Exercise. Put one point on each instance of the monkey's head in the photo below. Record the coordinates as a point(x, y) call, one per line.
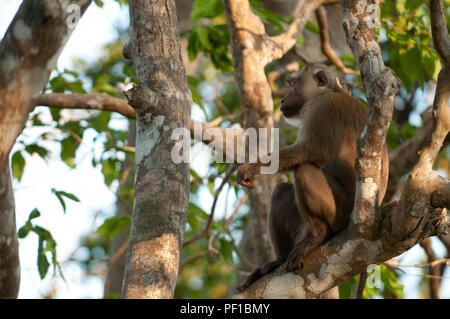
point(312, 80)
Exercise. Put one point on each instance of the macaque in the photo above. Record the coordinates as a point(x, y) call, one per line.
point(306, 214)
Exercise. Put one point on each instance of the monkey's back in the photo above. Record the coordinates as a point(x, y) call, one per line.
point(335, 121)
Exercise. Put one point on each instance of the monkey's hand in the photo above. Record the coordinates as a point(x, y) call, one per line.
point(246, 174)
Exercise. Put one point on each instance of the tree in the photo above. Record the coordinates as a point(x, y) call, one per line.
point(263, 46)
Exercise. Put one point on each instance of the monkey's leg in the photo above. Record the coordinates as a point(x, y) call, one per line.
point(325, 207)
point(284, 225)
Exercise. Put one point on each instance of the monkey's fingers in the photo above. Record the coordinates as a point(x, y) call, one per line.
point(243, 179)
point(246, 183)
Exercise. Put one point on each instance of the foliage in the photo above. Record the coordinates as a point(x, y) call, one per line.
point(379, 279)
point(46, 243)
point(208, 269)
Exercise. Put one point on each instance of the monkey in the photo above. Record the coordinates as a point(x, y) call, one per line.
point(318, 205)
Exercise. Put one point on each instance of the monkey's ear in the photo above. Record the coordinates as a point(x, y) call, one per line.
point(339, 84)
point(322, 78)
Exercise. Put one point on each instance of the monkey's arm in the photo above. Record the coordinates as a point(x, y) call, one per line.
point(288, 158)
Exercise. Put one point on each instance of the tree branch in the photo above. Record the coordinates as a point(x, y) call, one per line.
point(28, 53)
point(279, 45)
point(371, 238)
point(425, 188)
point(439, 30)
point(434, 269)
point(224, 140)
point(381, 86)
point(321, 15)
point(92, 101)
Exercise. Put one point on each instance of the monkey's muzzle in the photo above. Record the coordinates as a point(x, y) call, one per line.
point(288, 111)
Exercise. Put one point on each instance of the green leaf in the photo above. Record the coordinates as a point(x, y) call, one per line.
point(42, 261)
point(114, 225)
point(413, 5)
point(300, 41)
point(68, 148)
point(431, 62)
point(34, 148)
point(17, 165)
point(202, 33)
point(46, 243)
point(196, 216)
point(110, 169)
point(196, 210)
point(226, 250)
point(206, 9)
point(25, 229)
point(347, 290)
point(34, 214)
point(99, 3)
point(391, 282)
point(100, 122)
point(193, 45)
point(409, 62)
point(267, 16)
point(61, 194)
point(56, 114)
point(69, 196)
point(311, 26)
point(218, 226)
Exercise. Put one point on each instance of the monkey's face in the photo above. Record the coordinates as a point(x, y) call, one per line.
point(303, 86)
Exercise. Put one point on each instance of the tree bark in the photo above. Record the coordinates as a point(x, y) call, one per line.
point(9, 244)
point(162, 102)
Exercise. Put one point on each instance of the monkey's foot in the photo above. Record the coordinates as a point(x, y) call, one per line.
point(259, 272)
point(250, 279)
point(294, 262)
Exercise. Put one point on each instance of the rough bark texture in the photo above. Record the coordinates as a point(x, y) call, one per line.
point(381, 86)
point(28, 53)
point(9, 244)
point(162, 102)
point(374, 234)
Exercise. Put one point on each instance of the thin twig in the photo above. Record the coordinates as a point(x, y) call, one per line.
point(321, 15)
point(396, 264)
point(361, 285)
point(119, 252)
point(207, 229)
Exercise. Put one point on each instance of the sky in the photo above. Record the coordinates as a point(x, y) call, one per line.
point(96, 28)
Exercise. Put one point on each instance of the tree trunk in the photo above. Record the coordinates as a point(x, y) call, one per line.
point(162, 102)
point(9, 244)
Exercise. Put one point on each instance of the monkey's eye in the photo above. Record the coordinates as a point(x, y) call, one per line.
point(290, 81)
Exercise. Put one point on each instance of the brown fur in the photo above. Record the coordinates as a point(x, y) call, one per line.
point(305, 215)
